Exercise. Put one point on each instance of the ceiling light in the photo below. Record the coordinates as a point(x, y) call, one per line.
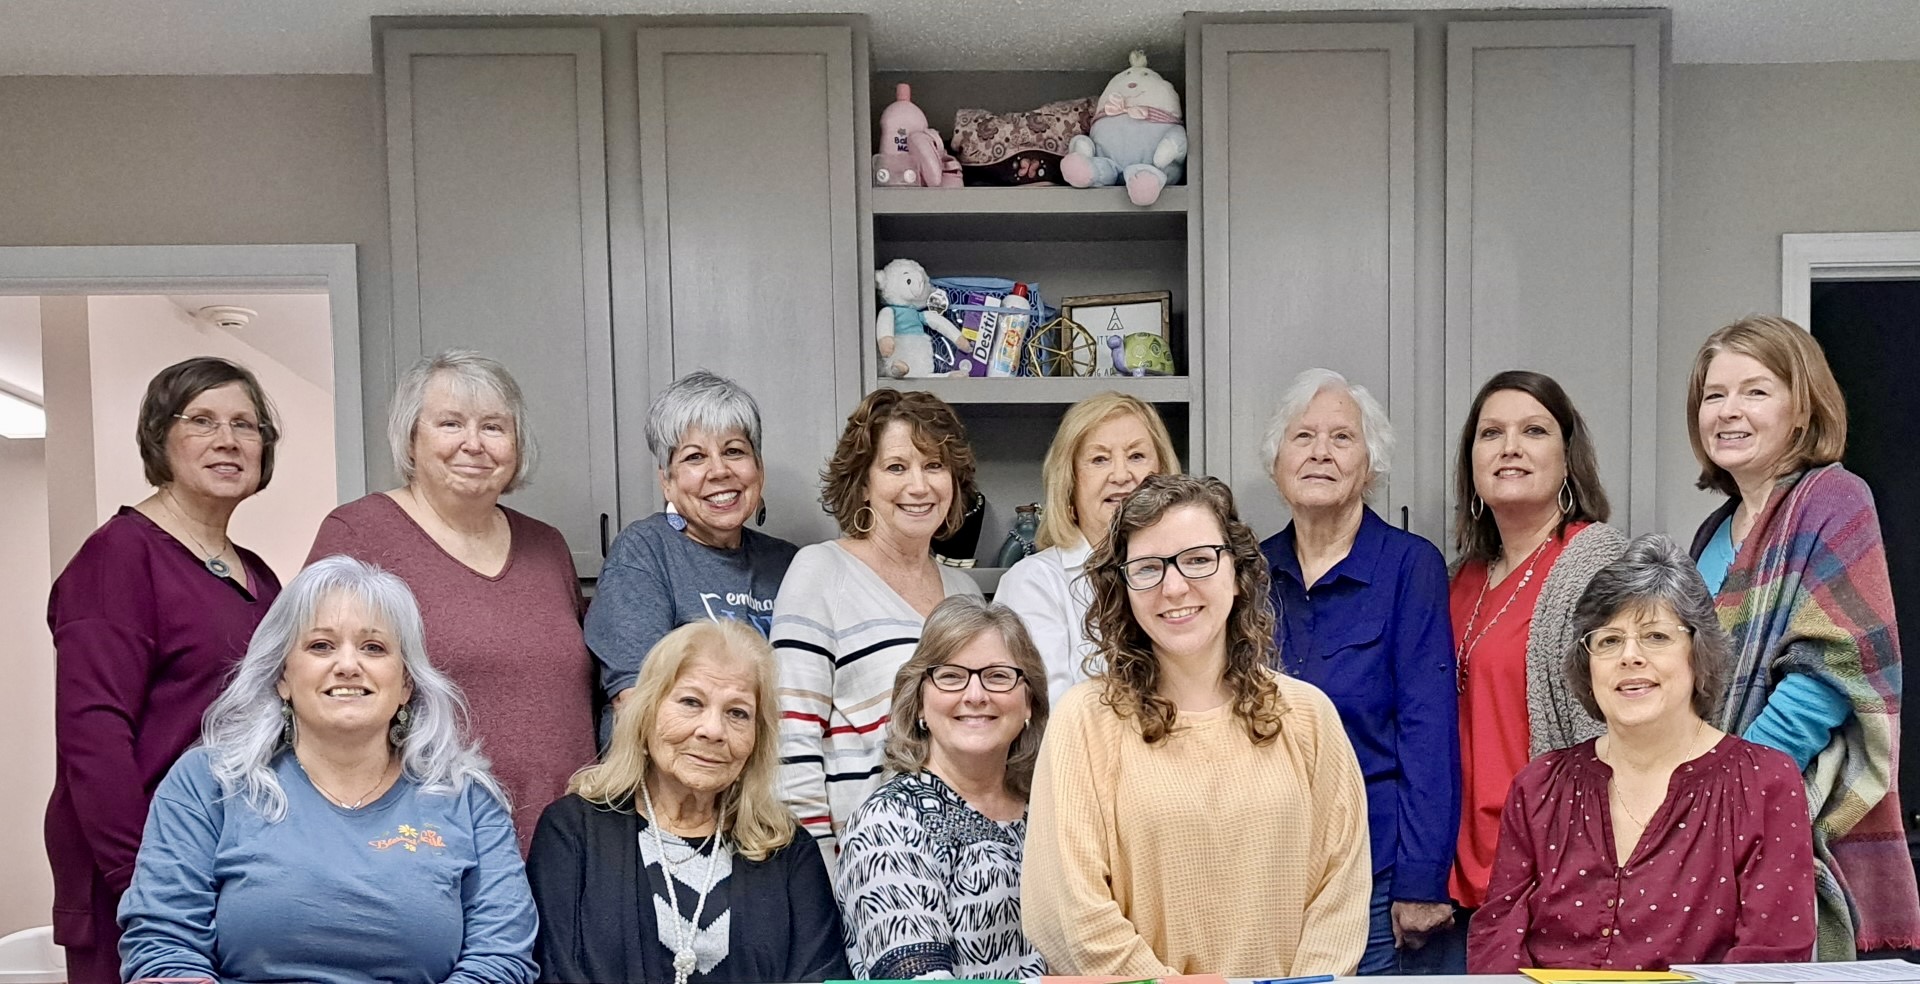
point(20, 418)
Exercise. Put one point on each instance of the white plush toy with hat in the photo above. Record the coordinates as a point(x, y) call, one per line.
point(1137, 136)
point(906, 312)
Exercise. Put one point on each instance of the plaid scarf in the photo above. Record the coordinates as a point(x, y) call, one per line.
point(1808, 593)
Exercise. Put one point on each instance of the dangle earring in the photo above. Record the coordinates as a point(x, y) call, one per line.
point(760, 518)
point(1565, 500)
point(397, 732)
point(286, 721)
point(1476, 506)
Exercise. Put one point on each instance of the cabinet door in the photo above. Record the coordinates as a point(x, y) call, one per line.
point(1308, 191)
point(1553, 189)
point(497, 183)
point(748, 184)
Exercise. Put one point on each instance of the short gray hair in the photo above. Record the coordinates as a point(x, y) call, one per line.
point(1376, 429)
point(1652, 571)
point(702, 399)
point(242, 729)
point(470, 374)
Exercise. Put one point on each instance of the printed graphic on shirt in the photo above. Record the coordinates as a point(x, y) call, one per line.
point(411, 838)
point(740, 606)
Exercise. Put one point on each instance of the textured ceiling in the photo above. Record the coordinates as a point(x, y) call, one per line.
point(208, 37)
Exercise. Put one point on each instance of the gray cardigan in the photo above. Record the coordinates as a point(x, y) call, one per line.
point(1555, 718)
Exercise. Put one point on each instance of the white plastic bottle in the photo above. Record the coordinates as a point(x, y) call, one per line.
point(1011, 338)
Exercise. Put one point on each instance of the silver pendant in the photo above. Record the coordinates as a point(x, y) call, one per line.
point(219, 567)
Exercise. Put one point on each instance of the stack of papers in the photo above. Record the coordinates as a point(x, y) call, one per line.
point(1834, 972)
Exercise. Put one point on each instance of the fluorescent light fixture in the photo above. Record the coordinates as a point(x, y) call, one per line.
point(21, 419)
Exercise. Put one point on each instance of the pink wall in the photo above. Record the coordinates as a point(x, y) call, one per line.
point(26, 702)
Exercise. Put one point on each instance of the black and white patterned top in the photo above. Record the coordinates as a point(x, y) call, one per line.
point(690, 860)
point(929, 886)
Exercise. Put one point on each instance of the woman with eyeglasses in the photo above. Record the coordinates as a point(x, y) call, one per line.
point(148, 619)
point(930, 863)
point(1193, 811)
point(1665, 840)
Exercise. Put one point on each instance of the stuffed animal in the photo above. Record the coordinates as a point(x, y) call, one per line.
point(906, 312)
point(1141, 354)
point(911, 152)
point(1136, 137)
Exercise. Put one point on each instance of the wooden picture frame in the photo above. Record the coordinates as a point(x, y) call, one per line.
point(1105, 315)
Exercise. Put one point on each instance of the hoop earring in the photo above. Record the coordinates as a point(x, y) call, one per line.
point(921, 726)
point(286, 722)
point(855, 521)
point(401, 727)
point(1476, 507)
point(1565, 500)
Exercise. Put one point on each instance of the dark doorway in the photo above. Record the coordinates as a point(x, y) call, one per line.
point(1870, 330)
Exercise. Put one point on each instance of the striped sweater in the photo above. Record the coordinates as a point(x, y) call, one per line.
point(839, 636)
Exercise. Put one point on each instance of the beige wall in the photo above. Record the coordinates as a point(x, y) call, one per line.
point(134, 337)
point(26, 702)
point(230, 159)
point(1756, 151)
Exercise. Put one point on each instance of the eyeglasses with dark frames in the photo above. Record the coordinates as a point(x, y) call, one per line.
point(1193, 563)
point(996, 679)
point(201, 425)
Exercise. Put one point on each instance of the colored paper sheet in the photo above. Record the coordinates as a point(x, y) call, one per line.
point(1545, 976)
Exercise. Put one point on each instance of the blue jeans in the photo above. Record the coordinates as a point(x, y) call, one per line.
point(1444, 953)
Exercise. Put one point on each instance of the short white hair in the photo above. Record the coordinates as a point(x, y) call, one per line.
point(704, 400)
point(470, 374)
point(1376, 429)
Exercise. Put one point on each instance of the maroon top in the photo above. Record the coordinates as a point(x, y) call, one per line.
point(511, 642)
point(144, 638)
point(1722, 874)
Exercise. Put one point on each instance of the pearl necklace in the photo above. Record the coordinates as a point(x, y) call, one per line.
point(683, 932)
point(1467, 639)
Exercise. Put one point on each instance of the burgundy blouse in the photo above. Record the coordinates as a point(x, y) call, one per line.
point(1723, 873)
point(144, 639)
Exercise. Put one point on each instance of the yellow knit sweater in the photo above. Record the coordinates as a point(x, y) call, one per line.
point(1205, 854)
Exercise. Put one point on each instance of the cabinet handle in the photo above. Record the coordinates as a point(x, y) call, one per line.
point(1403, 524)
point(603, 536)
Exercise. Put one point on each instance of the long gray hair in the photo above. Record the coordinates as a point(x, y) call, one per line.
point(242, 730)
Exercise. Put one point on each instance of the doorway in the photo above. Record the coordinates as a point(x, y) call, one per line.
point(82, 329)
point(1859, 294)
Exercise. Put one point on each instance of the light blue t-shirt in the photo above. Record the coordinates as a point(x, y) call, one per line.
point(1717, 559)
point(415, 887)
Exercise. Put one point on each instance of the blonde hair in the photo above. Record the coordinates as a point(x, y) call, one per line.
point(750, 810)
point(1789, 352)
point(1059, 524)
point(954, 624)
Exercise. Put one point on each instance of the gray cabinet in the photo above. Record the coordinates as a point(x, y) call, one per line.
point(496, 179)
point(605, 228)
point(748, 180)
point(1553, 235)
point(1418, 202)
point(1308, 198)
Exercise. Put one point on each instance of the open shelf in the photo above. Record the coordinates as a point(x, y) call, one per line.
point(1030, 214)
point(1047, 390)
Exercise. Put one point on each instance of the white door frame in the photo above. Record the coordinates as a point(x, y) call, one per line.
point(41, 270)
point(1809, 256)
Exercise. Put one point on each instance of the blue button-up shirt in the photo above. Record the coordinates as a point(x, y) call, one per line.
point(1375, 634)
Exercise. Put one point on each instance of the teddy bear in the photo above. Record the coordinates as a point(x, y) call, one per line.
point(1137, 136)
point(911, 152)
point(907, 310)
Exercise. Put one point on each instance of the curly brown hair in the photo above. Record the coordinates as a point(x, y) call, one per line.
point(937, 432)
point(1133, 669)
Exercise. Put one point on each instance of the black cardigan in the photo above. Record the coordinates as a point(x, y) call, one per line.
point(597, 927)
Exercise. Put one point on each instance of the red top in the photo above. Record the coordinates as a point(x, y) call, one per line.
point(1493, 706)
point(1722, 874)
point(144, 639)
point(511, 642)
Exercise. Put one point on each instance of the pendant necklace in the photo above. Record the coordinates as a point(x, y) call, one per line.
point(684, 959)
point(341, 801)
point(214, 562)
point(1467, 639)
